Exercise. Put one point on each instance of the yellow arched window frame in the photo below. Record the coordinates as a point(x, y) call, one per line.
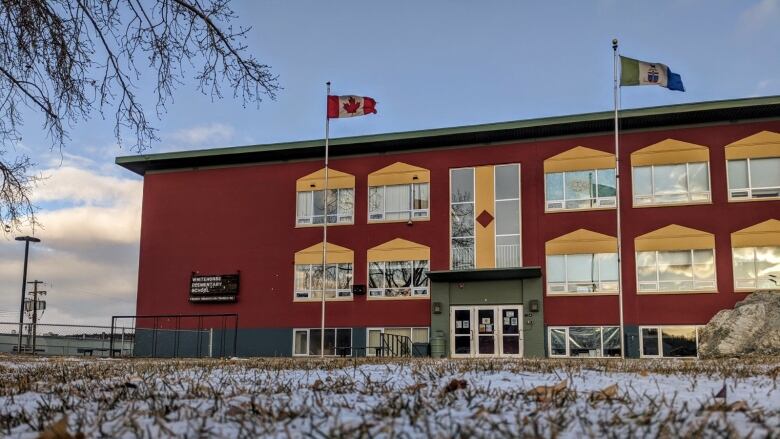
point(310, 198)
point(397, 270)
point(675, 259)
point(671, 172)
point(399, 192)
point(582, 262)
point(753, 167)
point(755, 252)
point(579, 178)
point(336, 279)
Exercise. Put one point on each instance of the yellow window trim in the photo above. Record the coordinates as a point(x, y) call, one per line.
point(760, 145)
point(316, 181)
point(399, 250)
point(763, 234)
point(579, 158)
point(581, 241)
point(399, 173)
point(674, 237)
point(668, 152)
point(313, 255)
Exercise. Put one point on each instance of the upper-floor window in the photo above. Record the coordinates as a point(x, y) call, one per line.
point(399, 192)
point(311, 208)
point(334, 278)
point(675, 259)
point(314, 205)
point(666, 184)
point(754, 167)
point(507, 207)
point(755, 252)
point(582, 262)
point(671, 172)
point(579, 178)
point(462, 227)
point(398, 202)
point(574, 190)
point(754, 178)
point(398, 279)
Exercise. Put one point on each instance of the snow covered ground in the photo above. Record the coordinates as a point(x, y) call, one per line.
point(421, 398)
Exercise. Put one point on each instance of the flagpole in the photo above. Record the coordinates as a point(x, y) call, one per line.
point(615, 91)
point(325, 228)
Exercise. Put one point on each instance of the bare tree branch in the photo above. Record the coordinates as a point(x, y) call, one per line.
point(66, 59)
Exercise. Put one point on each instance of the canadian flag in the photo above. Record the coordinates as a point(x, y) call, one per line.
point(350, 106)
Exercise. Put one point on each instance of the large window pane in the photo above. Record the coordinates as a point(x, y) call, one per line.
point(580, 269)
point(738, 175)
point(420, 335)
point(346, 204)
point(704, 264)
point(420, 278)
point(611, 337)
point(765, 172)
point(675, 265)
point(303, 205)
point(462, 185)
point(301, 343)
point(376, 206)
point(767, 265)
point(556, 268)
point(462, 253)
point(585, 341)
point(578, 185)
point(420, 196)
point(698, 177)
point(557, 341)
point(376, 275)
point(670, 182)
point(643, 180)
point(507, 182)
point(345, 277)
point(462, 220)
point(397, 201)
point(650, 341)
point(744, 267)
point(554, 186)
point(678, 342)
point(608, 266)
point(646, 268)
point(606, 183)
point(508, 217)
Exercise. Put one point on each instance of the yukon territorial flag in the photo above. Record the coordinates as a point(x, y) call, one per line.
point(350, 106)
point(635, 72)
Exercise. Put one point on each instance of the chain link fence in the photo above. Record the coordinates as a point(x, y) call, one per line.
point(65, 339)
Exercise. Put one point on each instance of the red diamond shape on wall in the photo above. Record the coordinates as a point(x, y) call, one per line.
point(485, 218)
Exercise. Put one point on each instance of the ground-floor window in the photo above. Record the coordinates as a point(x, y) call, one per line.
point(374, 337)
point(584, 341)
point(668, 341)
point(338, 341)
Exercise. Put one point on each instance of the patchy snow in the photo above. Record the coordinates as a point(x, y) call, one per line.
point(425, 398)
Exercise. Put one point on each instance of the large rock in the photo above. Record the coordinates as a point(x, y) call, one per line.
point(751, 328)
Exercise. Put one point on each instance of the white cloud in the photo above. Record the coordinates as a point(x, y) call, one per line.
point(760, 14)
point(89, 249)
point(214, 134)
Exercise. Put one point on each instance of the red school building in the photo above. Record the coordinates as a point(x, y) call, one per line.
point(487, 240)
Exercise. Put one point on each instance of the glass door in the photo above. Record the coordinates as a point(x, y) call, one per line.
point(486, 331)
point(511, 334)
point(461, 330)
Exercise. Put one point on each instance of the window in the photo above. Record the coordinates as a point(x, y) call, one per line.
point(397, 279)
point(308, 341)
point(375, 339)
point(462, 218)
point(310, 206)
point(754, 178)
point(584, 341)
point(309, 281)
point(574, 190)
point(756, 268)
point(582, 273)
point(398, 202)
point(507, 190)
point(676, 270)
point(668, 341)
point(672, 183)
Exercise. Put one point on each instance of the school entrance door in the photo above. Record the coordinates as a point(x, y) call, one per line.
point(486, 331)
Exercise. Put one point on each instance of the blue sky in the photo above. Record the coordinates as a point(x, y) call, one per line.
point(428, 64)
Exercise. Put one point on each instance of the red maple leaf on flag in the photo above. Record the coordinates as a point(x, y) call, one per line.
point(351, 106)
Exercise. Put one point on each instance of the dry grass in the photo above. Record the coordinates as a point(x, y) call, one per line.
point(369, 398)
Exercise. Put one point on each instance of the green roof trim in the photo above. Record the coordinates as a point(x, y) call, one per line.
point(699, 112)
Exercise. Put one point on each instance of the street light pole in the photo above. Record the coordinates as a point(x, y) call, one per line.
point(27, 240)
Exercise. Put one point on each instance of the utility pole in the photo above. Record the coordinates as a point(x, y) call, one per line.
point(34, 306)
point(27, 240)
